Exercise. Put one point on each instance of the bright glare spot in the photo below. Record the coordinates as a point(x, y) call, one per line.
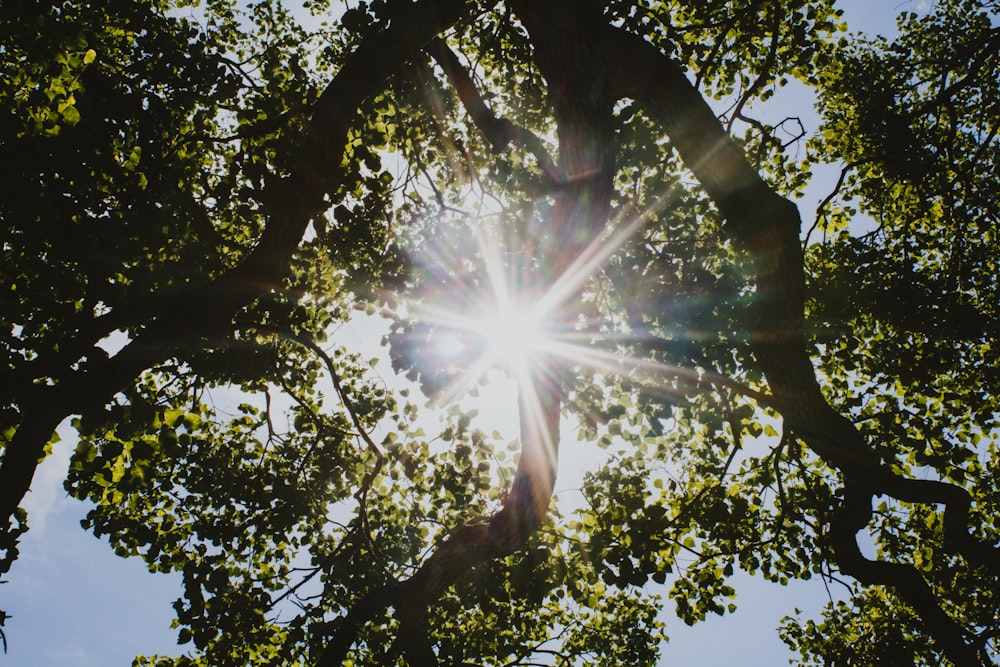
point(490, 310)
point(449, 346)
point(513, 336)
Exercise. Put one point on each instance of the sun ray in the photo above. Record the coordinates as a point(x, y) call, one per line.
point(502, 316)
point(534, 417)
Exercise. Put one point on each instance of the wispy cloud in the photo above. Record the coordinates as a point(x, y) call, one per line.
point(73, 654)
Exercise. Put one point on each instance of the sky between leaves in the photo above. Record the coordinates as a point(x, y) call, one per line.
point(73, 602)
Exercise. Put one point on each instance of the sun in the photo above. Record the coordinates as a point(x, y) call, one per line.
point(513, 334)
point(490, 305)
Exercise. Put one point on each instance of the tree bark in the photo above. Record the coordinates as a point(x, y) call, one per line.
point(293, 203)
point(586, 168)
point(767, 227)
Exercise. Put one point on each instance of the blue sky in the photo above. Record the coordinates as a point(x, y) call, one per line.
point(73, 602)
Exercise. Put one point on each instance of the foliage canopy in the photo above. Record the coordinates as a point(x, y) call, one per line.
point(195, 197)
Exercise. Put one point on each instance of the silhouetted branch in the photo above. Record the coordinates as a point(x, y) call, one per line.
point(500, 132)
point(767, 227)
point(209, 308)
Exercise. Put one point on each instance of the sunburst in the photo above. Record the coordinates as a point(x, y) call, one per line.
point(505, 317)
point(514, 334)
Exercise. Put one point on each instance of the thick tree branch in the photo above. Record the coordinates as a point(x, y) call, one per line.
point(209, 310)
point(767, 227)
point(572, 42)
point(500, 132)
point(583, 116)
point(472, 543)
point(414, 641)
point(852, 517)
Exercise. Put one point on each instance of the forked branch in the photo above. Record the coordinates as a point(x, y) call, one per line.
point(500, 132)
point(767, 227)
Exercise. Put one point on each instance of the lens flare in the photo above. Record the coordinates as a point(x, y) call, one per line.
point(492, 305)
point(513, 336)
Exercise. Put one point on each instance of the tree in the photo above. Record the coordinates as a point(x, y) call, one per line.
point(194, 198)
